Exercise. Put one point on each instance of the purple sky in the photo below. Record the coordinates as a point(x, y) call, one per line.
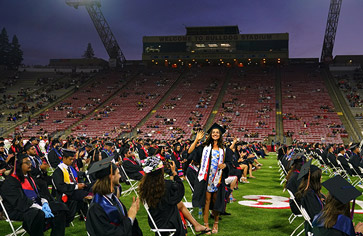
point(51, 29)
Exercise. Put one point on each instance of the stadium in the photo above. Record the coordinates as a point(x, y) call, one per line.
point(280, 120)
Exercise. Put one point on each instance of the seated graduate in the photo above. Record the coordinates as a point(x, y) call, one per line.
point(343, 161)
point(308, 193)
point(292, 183)
point(55, 154)
point(164, 198)
point(5, 166)
point(24, 202)
point(132, 168)
point(39, 170)
point(106, 214)
point(68, 189)
point(336, 219)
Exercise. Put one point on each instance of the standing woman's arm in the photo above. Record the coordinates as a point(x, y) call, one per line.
point(199, 136)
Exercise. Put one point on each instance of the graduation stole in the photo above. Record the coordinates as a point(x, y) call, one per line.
point(112, 212)
point(146, 152)
point(58, 154)
point(29, 191)
point(343, 224)
point(203, 172)
point(180, 167)
point(66, 178)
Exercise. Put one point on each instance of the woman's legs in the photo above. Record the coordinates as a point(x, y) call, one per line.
point(198, 227)
point(206, 208)
point(216, 214)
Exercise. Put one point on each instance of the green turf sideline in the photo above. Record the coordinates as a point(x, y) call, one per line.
point(247, 221)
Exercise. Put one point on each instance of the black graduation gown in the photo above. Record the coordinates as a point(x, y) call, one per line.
point(332, 159)
point(191, 175)
point(166, 215)
point(142, 154)
point(355, 160)
point(41, 178)
point(53, 158)
point(319, 231)
point(18, 206)
point(132, 170)
point(293, 185)
point(98, 223)
point(312, 205)
point(234, 164)
point(344, 163)
point(200, 188)
point(75, 196)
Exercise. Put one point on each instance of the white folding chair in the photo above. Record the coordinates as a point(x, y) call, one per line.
point(134, 184)
point(293, 216)
point(355, 174)
point(156, 229)
point(17, 231)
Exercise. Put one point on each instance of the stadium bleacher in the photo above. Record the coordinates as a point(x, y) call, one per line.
point(308, 111)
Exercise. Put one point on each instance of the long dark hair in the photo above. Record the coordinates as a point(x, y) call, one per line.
point(295, 167)
point(19, 170)
point(152, 188)
point(332, 209)
point(314, 184)
point(102, 186)
point(210, 140)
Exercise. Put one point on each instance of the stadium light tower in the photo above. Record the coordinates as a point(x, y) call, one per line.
point(93, 7)
point(330, 31)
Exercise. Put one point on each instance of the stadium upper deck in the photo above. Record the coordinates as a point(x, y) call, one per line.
point(215, 45)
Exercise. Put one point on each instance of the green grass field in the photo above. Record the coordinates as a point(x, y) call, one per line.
point(244, 220)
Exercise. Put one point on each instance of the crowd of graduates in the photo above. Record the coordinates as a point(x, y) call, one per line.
point(304, 164)
point(47, 187)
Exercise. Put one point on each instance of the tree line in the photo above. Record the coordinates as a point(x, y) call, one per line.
point(11, 54)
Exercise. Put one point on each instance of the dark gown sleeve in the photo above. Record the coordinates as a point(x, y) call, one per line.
point(16, 203)
point(196, 155)
point(53, 159)
point(98, 223)
point(176, 191)
point(132, 170)
point(61, 186)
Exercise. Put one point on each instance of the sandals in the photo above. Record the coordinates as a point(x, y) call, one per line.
point(215, 228)
point(244, 180)
point(206, 231)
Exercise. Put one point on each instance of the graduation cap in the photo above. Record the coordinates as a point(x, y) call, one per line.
point(306, 168)
point(33, 138)
point(353, 147)
point(68, 153)
point(341, 189)
point(216, 126)
point(27, 146)
point(109, 143)
point(2, 144)
point(296, 158)
point(102, 168)
point(151, 164)
point(20, 157)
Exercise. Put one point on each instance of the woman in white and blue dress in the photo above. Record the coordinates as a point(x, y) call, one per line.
point(214, 160)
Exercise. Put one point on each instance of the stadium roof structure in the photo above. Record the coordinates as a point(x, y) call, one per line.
point(349, 59)
point(212, 30)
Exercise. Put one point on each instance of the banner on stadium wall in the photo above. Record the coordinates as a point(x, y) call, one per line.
point(216, 38)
